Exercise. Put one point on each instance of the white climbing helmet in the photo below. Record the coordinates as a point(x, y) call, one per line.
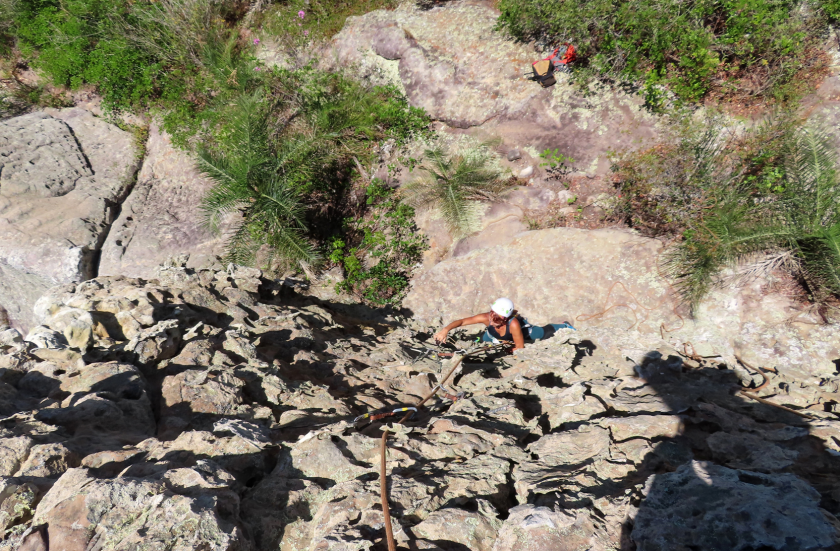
point(503, 307)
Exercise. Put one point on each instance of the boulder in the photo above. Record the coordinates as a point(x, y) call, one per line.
point(48, 461)
point(102, 398)
point(161, 218)
point(44, 337)
point(123, 513)
point(446, 527)
point(532, 528)
point(60, 161)
point(609, 279)
point(706, 506)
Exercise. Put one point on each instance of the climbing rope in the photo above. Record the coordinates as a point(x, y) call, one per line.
point(383, 488)
point(383, 494)
point(766, 382)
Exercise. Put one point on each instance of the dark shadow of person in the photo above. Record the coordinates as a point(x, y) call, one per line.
point(740, 476)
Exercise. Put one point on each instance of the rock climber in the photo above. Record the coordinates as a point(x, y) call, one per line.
point(504, 324)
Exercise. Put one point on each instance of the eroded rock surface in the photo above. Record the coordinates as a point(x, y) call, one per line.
point(215, 410)
point(452, 62)
point(62, 174)
point(162, 217)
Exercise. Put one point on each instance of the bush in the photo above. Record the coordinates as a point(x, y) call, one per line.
point(77, 41)
point(740, 47)
point(321, 19)
point(799, 215)
point(133, 52)
point(733, 198)
point(284, 155)
point(387, 240)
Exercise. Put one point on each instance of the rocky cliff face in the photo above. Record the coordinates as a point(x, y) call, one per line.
point(612, 279)
point(73, 206)
point(215, 410)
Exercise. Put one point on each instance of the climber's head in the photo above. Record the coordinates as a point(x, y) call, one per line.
point(501, 310)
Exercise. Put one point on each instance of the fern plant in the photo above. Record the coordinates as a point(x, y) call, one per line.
point(800, 217)
point(453, 183)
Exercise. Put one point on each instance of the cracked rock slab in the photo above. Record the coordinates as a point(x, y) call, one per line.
point(62, 173)
point(162, 217)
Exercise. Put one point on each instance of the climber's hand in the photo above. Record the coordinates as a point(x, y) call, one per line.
point(440, 336)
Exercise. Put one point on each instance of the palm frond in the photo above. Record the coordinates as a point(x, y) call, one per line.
point(820, 255)
point(729, 235)
point(453, 184)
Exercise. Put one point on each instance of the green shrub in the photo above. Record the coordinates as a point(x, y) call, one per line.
point(322, 19)
point(77, 41)
point(283, 156)
point(742, 47)
point(731, 198)
point(386, 239)
point(800, 218)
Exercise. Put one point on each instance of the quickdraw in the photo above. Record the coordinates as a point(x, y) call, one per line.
point(450, 396)
point(382, 415)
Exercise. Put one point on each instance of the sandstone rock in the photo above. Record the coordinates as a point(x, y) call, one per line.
point(644, 426)
point(707, 506)
point(245, 457)
point(123, 512)
point(471, 530)
point(557, 454)
point(155, 344)
point(530, 198)
point(17, 502)
point(161, 218)
point(75, 324)
point(103, 398)
point(194, 398)
point(437, 57)
point(13, 452)
point(565, 423)
point(513, 155)
point(66, 162)
point(570, 405)
point(530, 528)
point(48, 461)
point(608, 279)
point(526, 172)
point(10, 339)
point(495, 234)
point(44, 337)
point(751, 452)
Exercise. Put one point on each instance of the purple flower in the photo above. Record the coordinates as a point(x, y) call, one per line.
point(305, 33)
point(256, 68)
point(301, 14)
point(256, 41)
